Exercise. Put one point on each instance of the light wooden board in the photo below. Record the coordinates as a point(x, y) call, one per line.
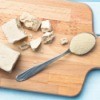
point(67, 75)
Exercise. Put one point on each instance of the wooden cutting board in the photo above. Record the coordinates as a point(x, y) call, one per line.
point(66, 76)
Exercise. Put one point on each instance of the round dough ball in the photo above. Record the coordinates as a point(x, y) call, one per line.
point(82, 43)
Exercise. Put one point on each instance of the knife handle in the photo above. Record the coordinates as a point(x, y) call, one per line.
point(36, 69)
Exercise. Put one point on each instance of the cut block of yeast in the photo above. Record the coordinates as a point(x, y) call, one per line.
point(12, 31)
point(8, 57)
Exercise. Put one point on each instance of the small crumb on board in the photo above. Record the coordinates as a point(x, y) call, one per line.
point(24, 45)
point(63, 41)
point(30, 36)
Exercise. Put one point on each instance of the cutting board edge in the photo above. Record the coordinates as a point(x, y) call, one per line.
point(87, 73)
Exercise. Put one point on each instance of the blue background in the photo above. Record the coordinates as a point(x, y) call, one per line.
point(86, 0)
point(91, 88)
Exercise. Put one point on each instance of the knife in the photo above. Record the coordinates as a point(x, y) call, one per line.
point(36, 69)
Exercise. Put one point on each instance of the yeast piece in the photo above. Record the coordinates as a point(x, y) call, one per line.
point(29, 21)
point(46, 26)
point(48, 37)
point(35, 43)
point(13, 32)
point(8, 57)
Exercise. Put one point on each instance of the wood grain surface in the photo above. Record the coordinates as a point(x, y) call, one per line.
point(66, 76)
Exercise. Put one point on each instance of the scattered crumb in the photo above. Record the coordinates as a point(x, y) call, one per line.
point(35, 43)
point(48, 37)
point(46, 26)
point(30, 36)
point(64, 41)
point(24, 45)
